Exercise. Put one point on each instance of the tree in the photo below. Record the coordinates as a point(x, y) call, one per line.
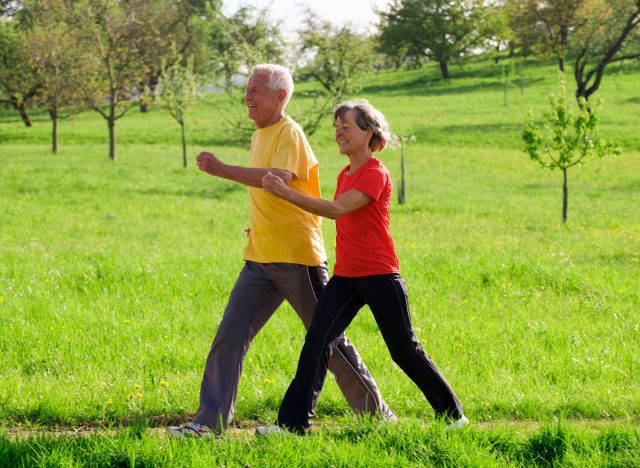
point(611, 35)
point(178, 90)
point(337, 58)
point(57, 56)
point(242, 40)
point(547, 25)
point(19, 80)
point(399, 142)
point(176, 24)
point(235, 45)
point(439, 30)
point(565, 140)
point(115, 33)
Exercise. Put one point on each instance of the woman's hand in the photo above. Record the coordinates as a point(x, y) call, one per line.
point(274, 184)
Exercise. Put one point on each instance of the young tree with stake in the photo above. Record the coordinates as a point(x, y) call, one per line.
point(565, 140)
point(178, 90)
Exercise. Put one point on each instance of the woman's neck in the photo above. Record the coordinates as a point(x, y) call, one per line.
point(358, 159)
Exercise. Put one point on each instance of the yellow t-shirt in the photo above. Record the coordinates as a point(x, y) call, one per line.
point(280, 231)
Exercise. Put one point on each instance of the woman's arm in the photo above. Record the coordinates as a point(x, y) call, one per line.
point(348, 202)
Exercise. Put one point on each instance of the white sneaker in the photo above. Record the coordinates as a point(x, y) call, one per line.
point(274, 429)
point(189, 430)
point(458, 424)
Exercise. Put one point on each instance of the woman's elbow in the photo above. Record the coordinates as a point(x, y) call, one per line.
point(335, 212)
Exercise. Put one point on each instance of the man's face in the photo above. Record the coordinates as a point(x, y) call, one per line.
point(262, 104)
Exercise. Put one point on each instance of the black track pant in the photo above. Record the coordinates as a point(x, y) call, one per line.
point(340, 301)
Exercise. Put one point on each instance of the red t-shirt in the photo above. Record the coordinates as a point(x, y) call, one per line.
point(363, 242)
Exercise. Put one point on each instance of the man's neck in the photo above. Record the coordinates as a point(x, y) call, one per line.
point(270, 121)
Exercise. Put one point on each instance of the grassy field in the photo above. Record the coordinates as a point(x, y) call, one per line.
point(114, 276)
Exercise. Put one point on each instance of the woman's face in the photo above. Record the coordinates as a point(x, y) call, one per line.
point(349, 137)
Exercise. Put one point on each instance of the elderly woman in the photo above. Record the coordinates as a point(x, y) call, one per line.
point(366, 272)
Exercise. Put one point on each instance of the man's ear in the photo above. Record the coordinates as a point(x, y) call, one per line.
point(282, 95)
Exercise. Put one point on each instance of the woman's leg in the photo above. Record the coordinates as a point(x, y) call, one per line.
point(337, 306)
point(386, 295)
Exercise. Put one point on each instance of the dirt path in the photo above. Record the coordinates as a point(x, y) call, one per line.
point(246, 428)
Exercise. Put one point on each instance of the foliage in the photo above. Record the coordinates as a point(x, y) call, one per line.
point(438, 30)
point(236, 44)
point(565, 140)
point(118, 35)
point(19, 81)
point(244, 39)
point(337, 58)
point(172, 26)
point(546, 26)
point(57, 56)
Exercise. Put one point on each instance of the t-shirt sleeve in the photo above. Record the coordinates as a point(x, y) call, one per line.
point(372, 182)
point(293, 153)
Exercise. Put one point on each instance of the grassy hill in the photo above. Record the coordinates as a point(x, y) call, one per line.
point(114, 276)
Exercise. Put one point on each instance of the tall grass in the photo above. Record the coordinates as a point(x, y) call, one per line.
point(114, 276)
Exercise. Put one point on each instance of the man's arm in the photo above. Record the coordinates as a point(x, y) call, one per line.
point(348, 202)
point(251, 176)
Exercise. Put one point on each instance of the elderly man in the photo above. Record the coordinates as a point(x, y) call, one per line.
point(284, 259)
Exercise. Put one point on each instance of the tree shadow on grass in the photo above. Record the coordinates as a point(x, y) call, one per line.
point(430, 86)
point(494, 134)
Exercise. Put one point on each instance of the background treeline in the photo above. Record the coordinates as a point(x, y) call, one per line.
point(111, 55)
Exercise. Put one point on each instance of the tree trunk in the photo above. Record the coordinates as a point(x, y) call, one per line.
point(22, 110)
point(564, 40)
point(111, 122)
point(444, 69)
point(53, 114)
point(184, 145)
point(565, 195)
point(401, 192)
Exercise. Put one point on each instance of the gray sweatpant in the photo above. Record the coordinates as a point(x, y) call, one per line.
point(259, 290)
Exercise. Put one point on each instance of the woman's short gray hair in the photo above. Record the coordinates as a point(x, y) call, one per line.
point(366, 116)
point(279, 78)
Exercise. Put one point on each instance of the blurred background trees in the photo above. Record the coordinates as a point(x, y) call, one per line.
point(107, 55)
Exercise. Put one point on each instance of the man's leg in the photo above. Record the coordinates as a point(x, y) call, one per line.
point(301, 286)
point(252, 302)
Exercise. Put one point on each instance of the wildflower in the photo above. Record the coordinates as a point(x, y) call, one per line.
point(268, 381)
point(127, 322)
point(138, 395)
point(164, 383)
point(109, 402)
point(137, 386)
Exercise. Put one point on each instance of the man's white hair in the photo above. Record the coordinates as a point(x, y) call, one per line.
point(279, 78)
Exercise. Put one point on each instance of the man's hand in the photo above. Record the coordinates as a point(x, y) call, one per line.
point(274, 184)
point(210, 164)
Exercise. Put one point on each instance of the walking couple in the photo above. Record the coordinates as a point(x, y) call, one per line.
point(285, 260)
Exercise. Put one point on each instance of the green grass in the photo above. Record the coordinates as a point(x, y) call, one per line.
point(114, 276)
point(354, 444)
